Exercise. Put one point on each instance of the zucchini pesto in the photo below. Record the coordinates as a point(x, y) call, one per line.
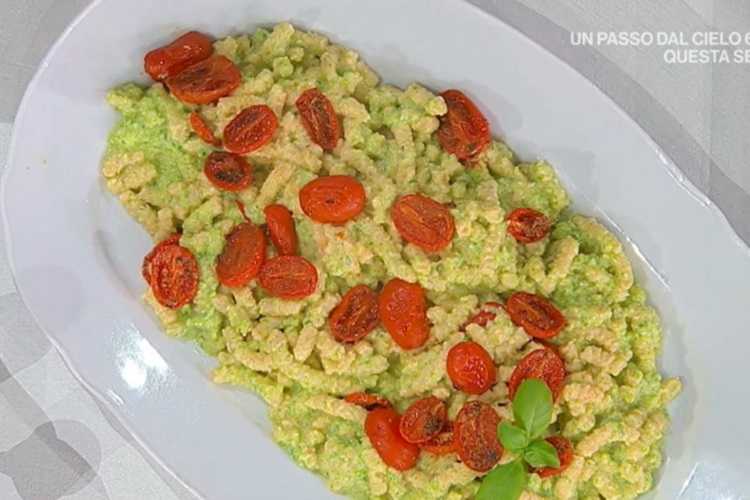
point(388, 277)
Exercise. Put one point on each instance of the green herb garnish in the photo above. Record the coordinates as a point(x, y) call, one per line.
point(512, 437)
point(532, 411)
point(532, 407)
point(504, 482)
point(541, 454)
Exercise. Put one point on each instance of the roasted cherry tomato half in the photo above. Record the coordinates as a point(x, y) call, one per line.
point(228, 171)
point(488, 312)
point(355, 316)
point(334, 199)
point(319, 119)
point(475, 434)
point(442, 444)
point(382, 428)
point(250, 130)
point(423, 221)
point(146, 268)
point(206, 81)
point(543, 364)
point(402, 308)
point(527, 225)
point(166, 61)
point(172, 272)
point(281, 229)
point(202, 130)
point(367, 401)
point(464, 131)
point(288, 277)
point(535, 314)
point(470, 368)
point(243, 255)
point(423, 420)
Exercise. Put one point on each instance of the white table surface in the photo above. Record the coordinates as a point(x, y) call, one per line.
point(56, 440)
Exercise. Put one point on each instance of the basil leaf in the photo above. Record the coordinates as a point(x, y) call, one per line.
point(532, 407)
point(504, 482)
point(511, 437)
point(541, 453)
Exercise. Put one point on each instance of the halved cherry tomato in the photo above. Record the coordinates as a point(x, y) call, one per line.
point(470, 368)
point(251, 129)
point(206, 81)
point(319, 119)
point(564, 453)
point(355, 316)
point(367, 401)
point(535, 314)
point(464, 131)
point(288, 277)
point(527, 225)
point(202, 130)
point(423, 221)
point(228, 171)
point(243, 255)
point(188, 49)
point(173, 273)
point(146, 267)
point(543, 364)
point(333, 199)
point(281, 229)
point(381, 427)
point(402, 308)
point(443, 443)
point(475, 431)
point(487, 313)
point(423, 420)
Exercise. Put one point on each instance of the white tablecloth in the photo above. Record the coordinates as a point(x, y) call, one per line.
point(56, 440)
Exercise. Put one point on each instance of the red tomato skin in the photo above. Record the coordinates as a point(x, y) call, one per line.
point(382, 429)
point(243, 255)
point(355, 316)
point(442, 444)
point(536, 315)
point(475, 434)
point(423, 420)
point(146, 267)
point(487, 313)
point(170, 59)
point(527, 225)
point(281, 229)
point(206, 81)
point(471, 368)
point(250, 130)
point(464, 131)
point(333, 199)
point(402, 308)
point(543, 364)
point(367, 401)
point(319, 119)
point(423, 221)
point(228, 171)
point(174, 275)
point(202, 130)
point(288, 277)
